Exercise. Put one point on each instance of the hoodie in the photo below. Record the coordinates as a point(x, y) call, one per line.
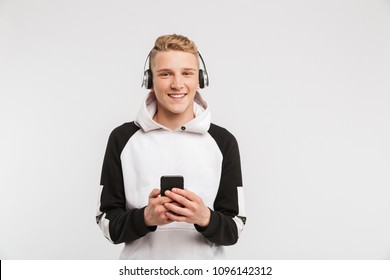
point(138, 153)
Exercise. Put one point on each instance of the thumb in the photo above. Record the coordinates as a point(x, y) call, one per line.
point(154, 193)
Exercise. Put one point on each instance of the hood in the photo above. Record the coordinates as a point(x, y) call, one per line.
point(200, 124)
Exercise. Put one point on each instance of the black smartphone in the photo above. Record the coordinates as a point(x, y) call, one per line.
point(169, 182)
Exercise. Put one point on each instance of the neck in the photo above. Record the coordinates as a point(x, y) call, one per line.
point(171, 120)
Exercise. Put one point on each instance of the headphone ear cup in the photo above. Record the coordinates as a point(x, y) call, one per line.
point(201, 78)
point(148, 81)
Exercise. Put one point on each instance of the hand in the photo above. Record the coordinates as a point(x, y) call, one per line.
point(155, 212)
point(187, 207)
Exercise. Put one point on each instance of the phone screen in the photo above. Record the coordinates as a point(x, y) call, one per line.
point(168, 182)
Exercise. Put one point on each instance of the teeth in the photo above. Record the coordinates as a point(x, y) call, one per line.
point(176, 95)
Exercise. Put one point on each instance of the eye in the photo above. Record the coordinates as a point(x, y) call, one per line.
point(188, 73)
point(164, 74)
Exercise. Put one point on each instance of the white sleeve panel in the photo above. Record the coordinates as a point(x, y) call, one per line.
point(241, 217)
point(104, 225)
point(241, 202)
point(101, 219)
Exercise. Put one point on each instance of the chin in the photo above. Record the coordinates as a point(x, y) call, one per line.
point(177, 112)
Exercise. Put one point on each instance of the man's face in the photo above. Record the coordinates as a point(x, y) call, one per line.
point(175, 82)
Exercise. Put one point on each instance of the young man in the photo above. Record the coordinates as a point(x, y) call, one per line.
point(172, 135)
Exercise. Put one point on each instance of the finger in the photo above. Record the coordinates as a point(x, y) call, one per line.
point(174, 217)
point(178, 210)
point(186, 193)
point(175, 203)
point(154, 193)
point(164, 199)
point(178, 198)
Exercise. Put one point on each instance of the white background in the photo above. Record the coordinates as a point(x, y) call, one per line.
point(303, 85)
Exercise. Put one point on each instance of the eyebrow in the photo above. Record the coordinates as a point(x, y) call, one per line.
point(167, 69)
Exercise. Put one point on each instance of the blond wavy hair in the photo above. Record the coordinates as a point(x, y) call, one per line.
point(172, 42)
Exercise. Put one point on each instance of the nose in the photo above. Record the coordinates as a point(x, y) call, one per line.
point(177, 82)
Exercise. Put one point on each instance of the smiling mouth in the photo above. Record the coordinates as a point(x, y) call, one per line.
point(177, 95)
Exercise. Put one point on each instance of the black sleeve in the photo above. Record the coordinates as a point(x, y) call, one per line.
point(118, 223)
point(228, 217)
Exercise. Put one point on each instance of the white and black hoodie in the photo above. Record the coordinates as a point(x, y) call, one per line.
point(139, 153)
